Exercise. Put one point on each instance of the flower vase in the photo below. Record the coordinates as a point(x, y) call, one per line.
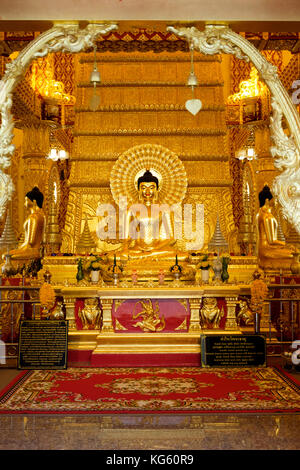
point(205, 275)
point(95, 276)
point(7, 268)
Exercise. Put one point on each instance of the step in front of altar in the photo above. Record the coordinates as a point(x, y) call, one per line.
point(149, 349)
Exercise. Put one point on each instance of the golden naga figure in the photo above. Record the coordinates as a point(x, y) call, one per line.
point(151, 179)
point(272, 253)
point(151, 320)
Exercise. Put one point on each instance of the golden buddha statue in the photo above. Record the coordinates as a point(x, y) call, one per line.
point(33, 227)
point(148, 233)
point(272, 253)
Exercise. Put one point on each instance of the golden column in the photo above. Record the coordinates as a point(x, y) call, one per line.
point(35, 148)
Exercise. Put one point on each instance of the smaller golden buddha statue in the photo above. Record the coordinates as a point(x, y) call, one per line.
point(272, 253)
point(33, 227)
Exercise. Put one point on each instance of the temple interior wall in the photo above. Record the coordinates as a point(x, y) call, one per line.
point(142, 97)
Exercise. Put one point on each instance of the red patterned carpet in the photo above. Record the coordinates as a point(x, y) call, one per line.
point(151, 390)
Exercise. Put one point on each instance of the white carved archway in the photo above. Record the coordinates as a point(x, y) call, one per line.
point(62, 37)
point(216, 39)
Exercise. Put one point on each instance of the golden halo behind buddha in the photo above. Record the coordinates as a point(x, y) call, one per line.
point(162, 162)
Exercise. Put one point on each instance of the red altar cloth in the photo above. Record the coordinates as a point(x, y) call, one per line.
point(171, 315)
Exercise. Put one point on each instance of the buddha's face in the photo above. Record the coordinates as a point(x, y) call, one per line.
point(148, 193)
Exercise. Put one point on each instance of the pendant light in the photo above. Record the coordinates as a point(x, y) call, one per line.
point(194, 105)
point(94, 79)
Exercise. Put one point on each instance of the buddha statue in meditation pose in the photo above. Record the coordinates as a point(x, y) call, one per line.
point(33, 227)
point(272, 253)
point(148, 231)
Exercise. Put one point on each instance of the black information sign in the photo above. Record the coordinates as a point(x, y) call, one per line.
point(233, 350)
point(43, 344)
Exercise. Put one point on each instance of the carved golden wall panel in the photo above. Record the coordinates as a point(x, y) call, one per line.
point(87, 122)
point(170, 67)
point(64, 70)
point(84, 201)
point(93, 173)
point(207, 173)
point(194, 145)
point(151, 95)
point(142, 101)
point(90, 173)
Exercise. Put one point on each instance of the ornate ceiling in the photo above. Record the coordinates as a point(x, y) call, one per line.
point(146, 39)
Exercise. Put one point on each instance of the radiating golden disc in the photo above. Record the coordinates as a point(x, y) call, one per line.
point(163, 163)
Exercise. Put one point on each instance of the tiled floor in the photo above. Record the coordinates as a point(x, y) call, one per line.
point(148, 432)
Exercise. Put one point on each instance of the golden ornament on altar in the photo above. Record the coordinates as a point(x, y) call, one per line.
point(90, 315)
point(47, 295)
point(210, 314)
point(245, 314)
point(151, 321)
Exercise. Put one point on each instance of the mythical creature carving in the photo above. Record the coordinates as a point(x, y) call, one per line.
point(210, 313)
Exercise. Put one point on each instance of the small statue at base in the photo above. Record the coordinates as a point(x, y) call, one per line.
point(272, 253)
point(210, 314)
point(245, 315)
point(90, 315)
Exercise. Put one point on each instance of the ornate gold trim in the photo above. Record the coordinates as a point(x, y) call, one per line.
point(148, 132)
point(119, 327)
point(182, 326)
point(161, 58)
point(148, 84)
point(146, 107)
point(111, 157)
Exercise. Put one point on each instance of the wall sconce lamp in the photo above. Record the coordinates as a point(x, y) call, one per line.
point(56, 155)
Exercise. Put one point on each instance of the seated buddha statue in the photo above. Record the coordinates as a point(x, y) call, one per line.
point(272, 253)
point(148, 234)
point(33, 227)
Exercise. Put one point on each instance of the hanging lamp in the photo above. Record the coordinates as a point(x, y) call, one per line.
point(95, 79)
point(193, 105)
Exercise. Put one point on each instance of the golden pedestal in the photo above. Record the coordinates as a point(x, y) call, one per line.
point(108, 347)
